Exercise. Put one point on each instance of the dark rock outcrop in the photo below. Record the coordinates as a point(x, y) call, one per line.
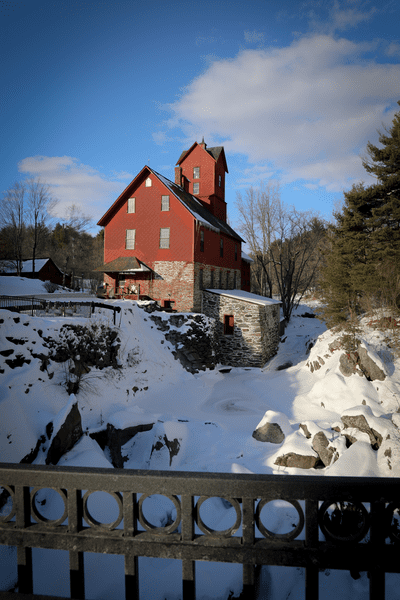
point(270, 432)
point(66, 437)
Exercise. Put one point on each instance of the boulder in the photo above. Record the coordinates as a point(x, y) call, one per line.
point(273, 428)
point(368, 366)
point(297, 461)
point(322, 447)
point(360, 422)
point(115, 438)
point(270, 432)
point(67, 433)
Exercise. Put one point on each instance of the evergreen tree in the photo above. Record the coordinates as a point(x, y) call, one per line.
point(362, 267)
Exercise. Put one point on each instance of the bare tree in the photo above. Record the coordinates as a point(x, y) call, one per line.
point(284, 242)
point(13, 222)
point(259, 212)
point(40, 204)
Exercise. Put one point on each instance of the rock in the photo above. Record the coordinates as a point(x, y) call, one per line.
point(66, 436)
point(297, 461)
point(361, 423)
point(270, 432)
point(322, 447)
point(273, 428)
point(115, 438)
point(346, 365)
point(368, 366)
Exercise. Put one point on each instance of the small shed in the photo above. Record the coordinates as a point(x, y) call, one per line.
point(247, 325)
point(45, 270)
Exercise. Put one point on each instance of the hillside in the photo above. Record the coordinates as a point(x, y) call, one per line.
point(210, 416)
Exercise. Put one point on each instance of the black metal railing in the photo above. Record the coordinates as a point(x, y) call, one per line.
point(61, 307)
point(342, 523)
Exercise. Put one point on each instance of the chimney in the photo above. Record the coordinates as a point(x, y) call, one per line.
point(178, 175)
point(185, 183)
point(203, 144)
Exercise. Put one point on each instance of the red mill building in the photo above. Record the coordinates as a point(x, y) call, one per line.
point(169, 240)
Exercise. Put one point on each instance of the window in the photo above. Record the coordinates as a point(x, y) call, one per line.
point(202, 241)
point(196, 188)
point(236, 254)
point(201, 279)
point(149, 183)
point(164, 237)
point(221, 247)
point(131, 205)
point(234, 280)
point(227, 280)
point(220, 279)
point(130, 239)
point(164, 202)
point(212, 279)
point(196, 173)
point(219, 180)
point(229, 323)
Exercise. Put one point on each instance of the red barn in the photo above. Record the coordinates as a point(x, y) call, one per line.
point(169, 240)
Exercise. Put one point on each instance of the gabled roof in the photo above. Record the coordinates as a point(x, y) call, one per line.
point(215, 152)
point(123, 264)
point(191, 203)
point(9, 266)
point(197, 209)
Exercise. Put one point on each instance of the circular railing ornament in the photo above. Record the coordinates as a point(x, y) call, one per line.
point(94, 522)
point(392, 519)
point(153, 528)
point(290, 535)
point(215, 532)
point(39, 518)
point(11, 514)
point(348, 522)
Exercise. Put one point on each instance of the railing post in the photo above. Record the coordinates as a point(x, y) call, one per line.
point(131, 560)
point(312, 570)
point(188, 566)
point(377, 574)
point(249, 588)
point(76, 565)
point(24, 554)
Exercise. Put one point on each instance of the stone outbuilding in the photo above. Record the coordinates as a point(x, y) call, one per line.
point(247, 325)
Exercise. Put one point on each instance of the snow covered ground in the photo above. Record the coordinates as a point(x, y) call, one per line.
point(212, 413)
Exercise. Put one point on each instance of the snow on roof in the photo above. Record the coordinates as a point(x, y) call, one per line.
point(9, 266)
point(246, 257)
point(245, 296)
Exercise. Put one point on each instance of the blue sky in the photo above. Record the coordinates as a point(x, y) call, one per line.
point(93, 91)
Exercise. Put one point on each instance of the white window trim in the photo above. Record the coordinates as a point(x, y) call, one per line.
point(130, 237)
point(131, 203)
point(148, 182)
point(162, 203)
point(164, 239)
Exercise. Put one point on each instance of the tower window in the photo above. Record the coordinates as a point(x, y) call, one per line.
point(164, 237)
point(130, 239)
point(219, 180)
point(131, 205)
point(212, 279)
point(236, 252)
point(165, 203)
point(196, 173)
point(148, 182)
point(201, 279)
point(201, 240)
point(221, 247)
point(196, 188)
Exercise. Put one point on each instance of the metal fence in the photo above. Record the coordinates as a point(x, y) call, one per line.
point(62, 308)
point(342, 523)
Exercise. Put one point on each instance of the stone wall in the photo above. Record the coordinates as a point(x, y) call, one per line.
point(255, 335)
point(194, 337)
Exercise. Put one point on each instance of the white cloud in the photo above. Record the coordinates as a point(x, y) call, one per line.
point(306, 110)
point(253, 37)
point(393, 49)
point(72, 182)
